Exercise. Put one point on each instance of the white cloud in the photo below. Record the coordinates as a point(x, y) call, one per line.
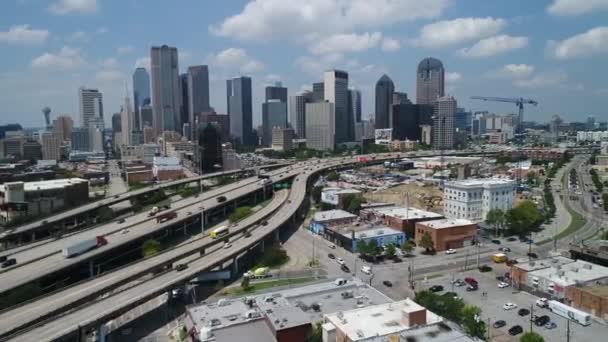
point(390, 44)
point(235, 59)
point(264, 20)
point(110, 63)
point(317, 64)
point(576, 7)
point(452, 77)
point(66, 59)
point(492, 46)
point(462, 30)
point(542, 80)
point(341, 43)
point(78, 37)
point(143, 62)
point(514, 71)
point(74, 6)
point(125, 49)
point(587, 44)
point(102, 30)
point(272, 78)
point(111, 75)
point(23, 34)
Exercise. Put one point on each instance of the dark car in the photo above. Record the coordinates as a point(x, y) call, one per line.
point(331, 256)
point(387, 283)
point(515, 330)
point(345, 268)
point(122, 220)
point(180, 267)
point(511, 262)
point(511, 239)
point(436, 288)
point(221, 199)
point(9, 262)
point(472, 288)
point(499, 324)
point(3, 258)
point(533, 255)
point(542, 320)
point(523, 312)
point(485, 268)
point(263, 223)
point(246, 234)
point(496, 241)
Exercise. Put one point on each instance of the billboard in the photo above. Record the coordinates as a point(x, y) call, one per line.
point(330, 197)
point(383, 136)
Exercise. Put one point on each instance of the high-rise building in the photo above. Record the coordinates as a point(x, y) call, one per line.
point(91, 105)
point(141, 94)
point(116, 122)
point(429, 81)
point(127, 122)
point(198, 92)
point(463, 121)
point(209, 148)
point(354, 103)
point(591, 122)
point(51, 146)
point(276, 92)
point(274, 114)
point(407, 119)
point(146, 116)
point(320, 126)
point(80, 139)
point(96, 139)
point(336, 92)
point(166, 96)
point(240, 110)
point(221, 122)
point(282, 139)
point(400, 98)
point(32, 150)
point(63, 126)
point(297, 112)
point(443, 122)
point(318, 92)
point(384, 101)
point(184, 111)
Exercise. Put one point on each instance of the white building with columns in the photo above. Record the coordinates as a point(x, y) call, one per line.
point(472, 199)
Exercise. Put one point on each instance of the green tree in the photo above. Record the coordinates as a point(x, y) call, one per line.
point(372, 248)
point(531, 178)
point(391, 250)
point(316, 193)
point(352, 203)
point(472, 322)
point(333, 176)
point(496, 218)
point(316, 333)
point(407, 248)
point(426, 241)
point(444, 305)
point(361, 247)
point(104, 214)
point(239, 214)
point(524, 219)
point(531, 336)
point(150, 247)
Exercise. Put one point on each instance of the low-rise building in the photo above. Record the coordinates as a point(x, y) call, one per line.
point(472, 199)
point(167, 168)
point(540, 153)
point(400, 218)
point(141, 153)
point(19, 199)
point(328, 218)
point(139, 173)
point(591, 136)
point(592, 299)
point(448, 233)
point(349, 235)
point(335, 196)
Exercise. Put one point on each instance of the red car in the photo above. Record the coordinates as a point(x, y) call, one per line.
point(471, 281)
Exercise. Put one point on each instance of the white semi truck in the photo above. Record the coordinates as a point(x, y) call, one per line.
point(569, 312)
point(84, 246)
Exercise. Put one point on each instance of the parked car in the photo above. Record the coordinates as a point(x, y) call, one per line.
point(504, 249)
point(515, 330)
point(340, 261)
point(502, 285)
point(345, 268)
point(436, 288)
point(511, 239)
point(523, 312)
point(470, 281)
point(550, 325)
point(499, 324)
point(450, 251)
point(387, 283)
point(533, 255)
point(542, 320)
point(332, 246)
point(509, 306)
point(331, 256)
point(542, 302)
point(180, 267)
point(511, 262)
point(485, 268)
point(459, 282)
point(496, 241)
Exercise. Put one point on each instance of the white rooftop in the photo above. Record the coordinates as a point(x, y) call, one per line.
point(577, 271)
point(341, 191)
point(330, 215)
point(166, 161)
point(375, 231)
point(407, 213)
point(378, 320)
point(480, 182)
point(48, 184)
point(447, 223)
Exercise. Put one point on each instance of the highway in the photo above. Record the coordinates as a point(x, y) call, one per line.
point(47, 258)
point(33, 226)
point(30, 312)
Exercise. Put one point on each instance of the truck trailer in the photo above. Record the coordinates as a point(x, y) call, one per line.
point(569, 312)
point(84, 246)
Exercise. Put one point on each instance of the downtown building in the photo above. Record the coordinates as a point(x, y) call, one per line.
point(336, 92)
point(320, 126)
point(141, 95)
point(238, 92)
point(384, 100)
point(167, 97)
point(274, 111)
point(297, 112)
point(430, 81)
point(443, 123)
point(91, 106)
point(198, 94)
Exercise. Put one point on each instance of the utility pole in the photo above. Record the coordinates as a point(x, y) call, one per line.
point(478, 250)
point(568, 331)
point(489, 327)
point(531, 315)
point(466, 260)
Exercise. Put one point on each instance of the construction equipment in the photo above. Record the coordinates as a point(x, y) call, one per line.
point(519, 102)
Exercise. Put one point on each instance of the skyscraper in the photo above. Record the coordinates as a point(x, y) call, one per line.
point(127, 123)
point(320, 126)
point(429, 81)
point(91, 105)
point(384, 101)
point(184, 111)
point(318, 92)
point(198, 91)
point(274, 114)
point(400, 98)
point(297, 112)
point(407, 119)
point(276, 92)
point(166, 99)
point(141, 94)
point(63, 126)
point(443, 122)
point(80, 139)
point(51, 146)
point(240, 109)
point(336, 92)
point(354, 103)
point(209, 148)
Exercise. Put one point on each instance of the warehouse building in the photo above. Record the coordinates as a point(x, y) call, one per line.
point(448, 233)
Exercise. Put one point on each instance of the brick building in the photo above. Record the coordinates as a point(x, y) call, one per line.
point(448, 233)
point(401, 218)
point(591, 299)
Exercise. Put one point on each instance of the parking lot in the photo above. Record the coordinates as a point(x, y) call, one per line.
point(492, 309)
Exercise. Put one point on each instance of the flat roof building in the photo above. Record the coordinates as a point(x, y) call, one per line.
point(448, 233)
point(472, 199)
point(401, 218)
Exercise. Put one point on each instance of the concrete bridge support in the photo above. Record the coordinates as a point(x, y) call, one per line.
point(235, 266)
point(91, 269)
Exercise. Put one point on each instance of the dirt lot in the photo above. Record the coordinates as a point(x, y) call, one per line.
point(422, 197)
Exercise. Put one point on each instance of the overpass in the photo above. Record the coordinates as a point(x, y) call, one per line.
point(68, 216)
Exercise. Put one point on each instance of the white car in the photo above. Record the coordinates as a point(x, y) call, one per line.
point(502, 285)
point(450, 251)
point(227, 245)
point(340, 261)
point(509, 306)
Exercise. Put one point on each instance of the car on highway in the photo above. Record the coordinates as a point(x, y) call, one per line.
point(122, 220)
point(550, 325)
point(227, 245)
point(180, 267)
point(436, 288)
point(499, 324)
point(331, 256)
point(124, 231)
point(450, 251)
point(387, 283)
point(246, 234)
point(263, 223)
point(340, 261)
point(504, 249)
point(345, 268)
point(509, 306)
point(9, 262)
point(523, 312)
point(502, 285)
point(516, 330)
point(221, 199)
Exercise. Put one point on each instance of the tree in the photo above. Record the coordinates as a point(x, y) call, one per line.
point(150, 247)
point(239, 214)
point(361, 247)
point(531, 178)
point(373, 248)
point(316, 333)
point(531, 336)
point(316, 193)
point(496, 218)
point(352, 203)
point(391, 250)
point(524, 219)
point(245, 283)
point(472, 322)
point(407, 248)
point(426, 241)
point(333, 176)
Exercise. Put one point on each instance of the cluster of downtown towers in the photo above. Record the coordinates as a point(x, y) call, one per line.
point(168, 101)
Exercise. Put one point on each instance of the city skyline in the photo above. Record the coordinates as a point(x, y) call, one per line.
point(51, 54)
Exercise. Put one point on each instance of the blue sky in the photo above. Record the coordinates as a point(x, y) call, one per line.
point(554, 51)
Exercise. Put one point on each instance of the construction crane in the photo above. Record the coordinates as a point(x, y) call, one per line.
point(519, 102)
